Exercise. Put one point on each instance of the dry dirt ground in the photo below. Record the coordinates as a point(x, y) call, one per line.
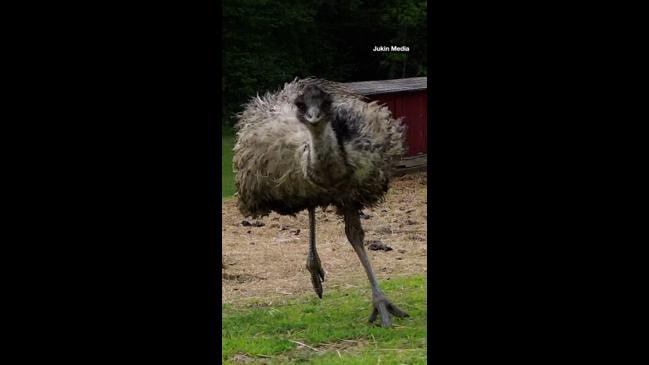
point(268, 261)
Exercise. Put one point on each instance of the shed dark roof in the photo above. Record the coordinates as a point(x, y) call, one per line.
point(387, 86)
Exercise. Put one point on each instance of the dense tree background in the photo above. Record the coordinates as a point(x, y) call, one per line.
point(267, 43)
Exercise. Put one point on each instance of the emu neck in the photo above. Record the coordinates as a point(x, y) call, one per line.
point(323, 146)
point(326, 163)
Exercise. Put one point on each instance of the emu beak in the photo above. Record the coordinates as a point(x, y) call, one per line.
point(313, 120)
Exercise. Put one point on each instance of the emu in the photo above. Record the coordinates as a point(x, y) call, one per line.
point(316, 144)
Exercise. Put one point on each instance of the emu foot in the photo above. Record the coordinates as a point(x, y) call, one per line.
point(317, 276)
point(385, 308)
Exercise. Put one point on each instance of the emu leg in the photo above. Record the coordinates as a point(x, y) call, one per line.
point(313, 261)
point(381, 304)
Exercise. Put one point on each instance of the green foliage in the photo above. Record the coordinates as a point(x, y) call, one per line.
point(267, 43)
point(338, 322)
point(227, 176)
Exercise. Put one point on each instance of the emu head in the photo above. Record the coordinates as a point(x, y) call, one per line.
point(313, 106)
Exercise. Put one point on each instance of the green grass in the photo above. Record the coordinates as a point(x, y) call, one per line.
point(227, 176)
point(338, 322)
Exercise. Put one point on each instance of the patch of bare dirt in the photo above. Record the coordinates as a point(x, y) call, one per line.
point(268, 260)
point(303, 352)
point(242, 358)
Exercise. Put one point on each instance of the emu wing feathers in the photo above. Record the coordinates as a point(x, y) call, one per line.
point(272, 148)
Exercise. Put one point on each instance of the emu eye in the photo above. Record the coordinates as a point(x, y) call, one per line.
point(300, 105)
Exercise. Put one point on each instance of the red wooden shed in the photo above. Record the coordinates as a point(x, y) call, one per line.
point(407, 98)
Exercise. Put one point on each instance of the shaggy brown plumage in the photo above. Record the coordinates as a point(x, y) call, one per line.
point(271, 153)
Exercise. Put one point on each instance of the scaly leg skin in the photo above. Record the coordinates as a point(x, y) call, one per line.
point(381, 304)
point(313, 261)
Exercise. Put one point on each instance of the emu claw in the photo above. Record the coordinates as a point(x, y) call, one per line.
point(317, 277)
point(385, 308)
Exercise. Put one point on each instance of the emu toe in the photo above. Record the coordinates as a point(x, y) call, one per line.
point(317, 277)
point(383, 307)
point(316, 280)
